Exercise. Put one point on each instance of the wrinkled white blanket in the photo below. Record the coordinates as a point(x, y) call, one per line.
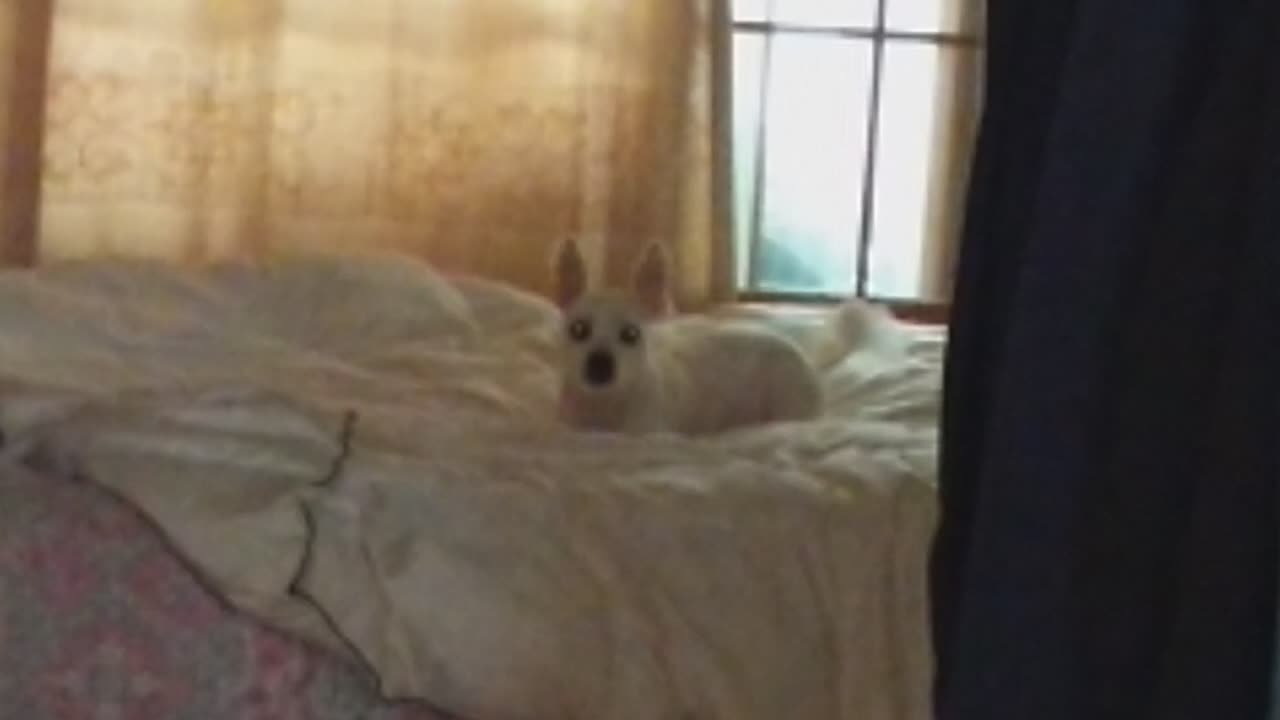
point(362, 451)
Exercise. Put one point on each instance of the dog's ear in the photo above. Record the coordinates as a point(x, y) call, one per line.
point(571, 273)
point(651, 280)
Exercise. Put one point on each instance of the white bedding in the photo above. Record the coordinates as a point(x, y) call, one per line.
point(362, 452)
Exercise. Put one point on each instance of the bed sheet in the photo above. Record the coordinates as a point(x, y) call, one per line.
point(363, 452)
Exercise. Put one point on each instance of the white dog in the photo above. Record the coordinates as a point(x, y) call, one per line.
point(627, 367)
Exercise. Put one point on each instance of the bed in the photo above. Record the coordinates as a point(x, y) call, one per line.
point(334, 487)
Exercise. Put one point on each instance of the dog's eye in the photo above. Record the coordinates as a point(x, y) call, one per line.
point(629, 335)
point(579, 330)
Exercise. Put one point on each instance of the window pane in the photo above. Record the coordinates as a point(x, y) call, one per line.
point(751, 10)
point(748, 69)
point(916, 140)
point(814, 159)
point(826, 13)
point(952, 16)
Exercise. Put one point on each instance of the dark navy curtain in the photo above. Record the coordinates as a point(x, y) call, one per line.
point(1111, 429)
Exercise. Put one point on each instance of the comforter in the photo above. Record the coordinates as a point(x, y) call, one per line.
point(363, 453)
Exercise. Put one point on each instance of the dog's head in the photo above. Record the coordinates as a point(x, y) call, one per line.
point(605, 333)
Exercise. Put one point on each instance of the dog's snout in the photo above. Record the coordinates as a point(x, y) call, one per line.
point(600, 368)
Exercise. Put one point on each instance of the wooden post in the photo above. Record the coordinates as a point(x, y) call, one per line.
point(25, 31)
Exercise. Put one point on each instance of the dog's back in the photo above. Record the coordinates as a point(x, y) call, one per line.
point(714, 377)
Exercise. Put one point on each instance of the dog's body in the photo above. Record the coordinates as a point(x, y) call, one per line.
point(700, 378)
point(626, 368)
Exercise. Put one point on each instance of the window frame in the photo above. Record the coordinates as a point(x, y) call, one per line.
point(879, 35)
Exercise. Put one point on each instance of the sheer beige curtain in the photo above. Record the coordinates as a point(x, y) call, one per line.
point(475, 134)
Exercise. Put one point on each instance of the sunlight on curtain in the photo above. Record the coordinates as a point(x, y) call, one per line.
point(475, 134)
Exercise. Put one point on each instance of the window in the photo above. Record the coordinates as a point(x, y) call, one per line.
point(852, 129)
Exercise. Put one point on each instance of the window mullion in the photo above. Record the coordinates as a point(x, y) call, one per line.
point(863, 259)
point(756, 236)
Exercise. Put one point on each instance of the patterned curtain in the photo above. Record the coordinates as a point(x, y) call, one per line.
point(473, 134)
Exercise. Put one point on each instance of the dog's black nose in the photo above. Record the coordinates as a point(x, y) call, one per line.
point(600, 368)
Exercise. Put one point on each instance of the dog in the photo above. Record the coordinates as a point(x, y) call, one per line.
point(629, 366)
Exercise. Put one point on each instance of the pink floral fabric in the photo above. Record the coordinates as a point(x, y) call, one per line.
point(99, 620)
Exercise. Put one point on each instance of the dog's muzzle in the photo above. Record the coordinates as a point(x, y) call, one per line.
point(600, 368)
